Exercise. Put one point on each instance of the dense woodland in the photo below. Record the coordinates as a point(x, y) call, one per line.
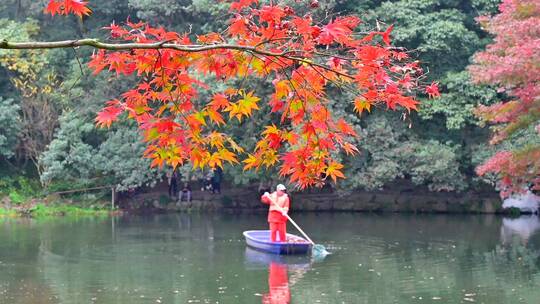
point(49, 100)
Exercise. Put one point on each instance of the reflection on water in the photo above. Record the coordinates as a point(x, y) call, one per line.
point(203, 259)
point(279, 268)
point(278, 285)
point(527, 202)
point(522, 227)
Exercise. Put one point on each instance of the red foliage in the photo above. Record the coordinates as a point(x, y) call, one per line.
point(433, 90)
point(301, 57)
point(65, 7)
point(512, 63)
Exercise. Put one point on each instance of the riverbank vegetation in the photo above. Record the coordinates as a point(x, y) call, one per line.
point(49, 99)
point(62, 209)
point(24, 196)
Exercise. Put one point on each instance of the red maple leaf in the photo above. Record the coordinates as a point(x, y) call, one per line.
point(433, 90)
point(107, 115)
point(271, 13)
point(77, 7)
point(66, 7)
point(219, 101)
point(53, 7)
point(239, 5)
point(338, 31)
point(386, 35)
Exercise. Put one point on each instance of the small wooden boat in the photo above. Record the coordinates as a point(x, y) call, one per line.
point(260, 240)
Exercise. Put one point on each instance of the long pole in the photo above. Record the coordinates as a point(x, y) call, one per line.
point(299, 229)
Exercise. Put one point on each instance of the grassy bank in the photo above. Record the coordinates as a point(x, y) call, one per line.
point(42, 210)
point(22, 195)
point(66, 210)
point(7, 212)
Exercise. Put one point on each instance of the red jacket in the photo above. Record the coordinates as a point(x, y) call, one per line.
point(274, 215)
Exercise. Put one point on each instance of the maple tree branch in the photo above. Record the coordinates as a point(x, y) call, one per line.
point(95, 43)
point(194, 48)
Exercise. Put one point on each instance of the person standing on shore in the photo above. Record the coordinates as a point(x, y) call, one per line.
point(216, 180)
point(172, 179)
point(185, 193)
point(277, 213)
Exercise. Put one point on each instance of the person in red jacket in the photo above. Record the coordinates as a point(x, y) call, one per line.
point(277, 213)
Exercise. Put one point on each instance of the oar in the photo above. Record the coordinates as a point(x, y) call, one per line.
point(318, 249)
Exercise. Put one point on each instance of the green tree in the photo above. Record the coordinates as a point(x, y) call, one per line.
point(458, 102)
point(10, 122)
point(445, 35)
point(82, 153)
point(391, 152)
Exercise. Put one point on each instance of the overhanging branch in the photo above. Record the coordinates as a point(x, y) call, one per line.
point(95, 43)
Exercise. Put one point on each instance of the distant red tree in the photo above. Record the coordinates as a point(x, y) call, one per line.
point(512, 62)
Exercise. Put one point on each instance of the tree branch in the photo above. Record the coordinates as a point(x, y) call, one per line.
point(194, 48)
point(95, 43)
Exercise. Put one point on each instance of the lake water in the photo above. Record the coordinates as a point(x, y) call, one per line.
point(185, 258)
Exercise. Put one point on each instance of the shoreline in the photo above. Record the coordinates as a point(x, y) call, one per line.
point(55, 210)
point(59, 211)
point(246, 199)
point(359, 201)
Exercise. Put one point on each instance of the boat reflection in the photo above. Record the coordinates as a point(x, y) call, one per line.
point(522, 227)
point(255, 259)
point(284, 271)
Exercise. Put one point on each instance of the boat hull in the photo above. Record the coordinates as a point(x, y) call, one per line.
point(260, 240)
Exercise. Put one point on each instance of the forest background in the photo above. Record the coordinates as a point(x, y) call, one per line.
point(49, 99)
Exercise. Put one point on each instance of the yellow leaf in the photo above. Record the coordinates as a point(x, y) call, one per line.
point(214, 116)
point(216, 139)
point(236, 148)
point(244, 106)
point(333, 170)
point(200, 117)
point(258, 65)
point(361, 104)
point(282, 89)
point(270, 157)
point(271, 130)
point(261, 145)
point(251, 162)
point(227, 155)
point(214, 160)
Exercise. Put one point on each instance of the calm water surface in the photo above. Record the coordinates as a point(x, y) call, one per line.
point(203, 259)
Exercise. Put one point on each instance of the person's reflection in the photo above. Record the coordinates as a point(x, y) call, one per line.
point(523, 227)
point(278, 285)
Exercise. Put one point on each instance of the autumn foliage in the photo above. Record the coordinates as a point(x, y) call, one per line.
point(65, 7)
point(301, 58)
point(512, 62)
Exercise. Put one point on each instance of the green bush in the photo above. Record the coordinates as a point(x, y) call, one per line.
point(41, 210)
point(19, 189)
point(5, 212)
point(16, 197)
